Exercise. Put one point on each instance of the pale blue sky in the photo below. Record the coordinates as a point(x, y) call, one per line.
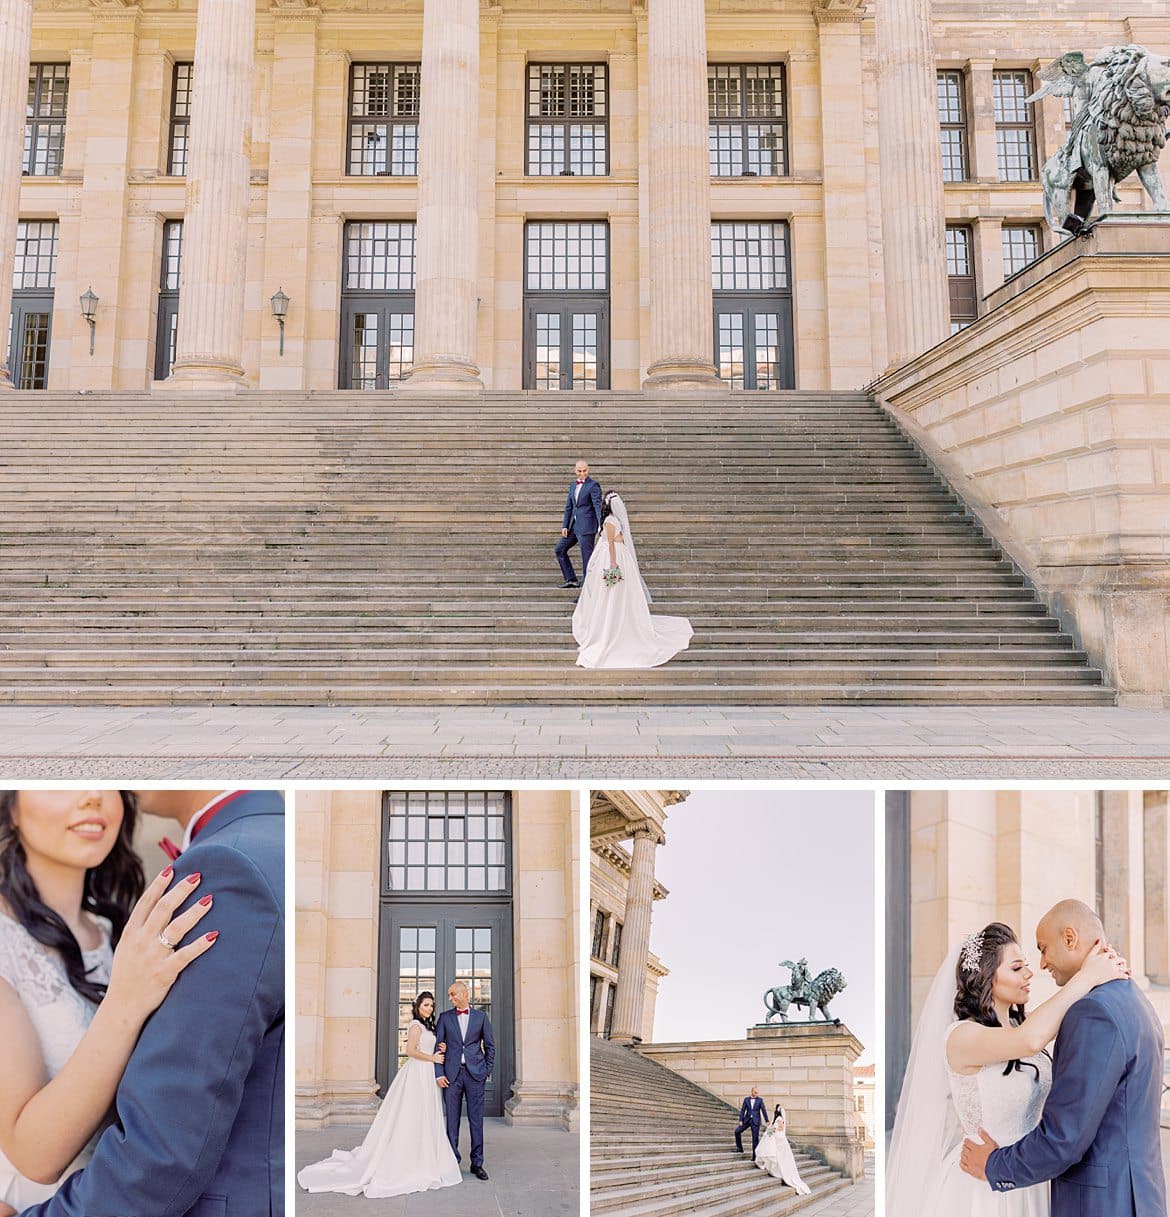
point(756, 877)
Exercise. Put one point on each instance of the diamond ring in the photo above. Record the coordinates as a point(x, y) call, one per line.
point(170, 946)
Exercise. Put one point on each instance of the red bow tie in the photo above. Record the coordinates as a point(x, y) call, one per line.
point(580, 481)
point(461, 1013)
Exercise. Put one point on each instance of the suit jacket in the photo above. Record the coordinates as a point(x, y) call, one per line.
point(479, 1048)
point(1098, 1140)
point(199, 1126)
point(583, 517)
point(753, 1111)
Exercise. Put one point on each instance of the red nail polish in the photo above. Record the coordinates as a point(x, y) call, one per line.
point(206, 901)
point(194, 878)
point(212, 936)
point(170, 870)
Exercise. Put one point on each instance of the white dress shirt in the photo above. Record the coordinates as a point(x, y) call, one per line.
point(463, 1019)
point(195, 818)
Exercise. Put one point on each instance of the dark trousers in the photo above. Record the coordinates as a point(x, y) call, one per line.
point(754, 1125)
point(464, 1084)
point(585, 540)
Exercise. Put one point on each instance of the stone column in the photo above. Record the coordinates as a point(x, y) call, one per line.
point(681, 343)
point(15, 47)
point(631, 981)
point(917, 309)
point(448, 213)
point(215, 222)
point(1156, 879)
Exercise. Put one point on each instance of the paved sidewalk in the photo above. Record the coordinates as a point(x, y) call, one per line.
point(533, 1172)
point(856, 1201)
point(518, 742)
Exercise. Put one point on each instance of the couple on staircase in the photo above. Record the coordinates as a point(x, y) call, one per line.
point(770, 1149)
point(612, 623)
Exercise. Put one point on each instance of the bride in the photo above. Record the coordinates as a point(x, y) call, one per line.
point(82, 966)
point(406, 1149)
point(612, 622)
point(979, 1062)
point(774, 1154)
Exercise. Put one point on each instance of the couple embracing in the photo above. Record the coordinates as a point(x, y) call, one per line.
point(991, 1125)
point(413, 1143)
point(612, 623)
point(141, 1025)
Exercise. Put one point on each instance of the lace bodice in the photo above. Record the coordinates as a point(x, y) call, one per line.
point(1008, 1107)
point(59, 1014)
point(426, 1041)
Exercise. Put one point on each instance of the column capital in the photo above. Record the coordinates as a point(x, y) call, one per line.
point(839, 12)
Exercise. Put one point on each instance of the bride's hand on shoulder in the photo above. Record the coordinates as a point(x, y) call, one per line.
point(1102, 965)
point(144, 969)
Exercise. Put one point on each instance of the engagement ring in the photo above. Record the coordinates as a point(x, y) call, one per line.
point(170, 946)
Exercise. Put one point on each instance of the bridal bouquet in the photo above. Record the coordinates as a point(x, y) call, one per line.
point(612, 576)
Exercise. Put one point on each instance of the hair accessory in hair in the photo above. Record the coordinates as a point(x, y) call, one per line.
point(972, 952)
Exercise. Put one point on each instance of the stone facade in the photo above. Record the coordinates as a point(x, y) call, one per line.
point(339, 905)
point(283, 227)
point(807, 1067)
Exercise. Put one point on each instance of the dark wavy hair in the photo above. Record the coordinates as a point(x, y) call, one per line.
point(110, 891)
point(778, 1112)
point(607, 504)
point(974, 988)
point(429, 1021)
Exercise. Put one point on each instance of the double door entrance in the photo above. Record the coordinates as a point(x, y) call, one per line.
point(566, 343)
point(28, 357)
point(424, 946)
point(753, 342)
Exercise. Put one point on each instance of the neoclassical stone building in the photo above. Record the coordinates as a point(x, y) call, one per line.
point(956, 860)
point(625, 830)
point(581, 194)
point(403, 891)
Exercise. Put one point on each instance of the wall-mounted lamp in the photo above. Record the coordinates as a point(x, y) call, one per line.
point(279, 309)
point(89, 303)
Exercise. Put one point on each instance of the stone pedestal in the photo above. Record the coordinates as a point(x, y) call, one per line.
point(210, 345)
point(681, 339)
point(910, 174)
point(15, 44)
point(448, 213)
point(1048, 416)
point(806, 1067)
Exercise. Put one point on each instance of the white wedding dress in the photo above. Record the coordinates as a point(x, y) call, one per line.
point(774, 1155)
point(406, 1149)
point(613, 625)
point(939, 1108)
point(60, 1016)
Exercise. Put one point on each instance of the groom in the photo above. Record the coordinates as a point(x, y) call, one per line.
point(200, 1109)
point(1098, 1139)
point(752, 1112)
point(581, 521)
point(465, 1036)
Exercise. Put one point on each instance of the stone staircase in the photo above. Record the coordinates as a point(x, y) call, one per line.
point(661, 1146)
point(348, 548)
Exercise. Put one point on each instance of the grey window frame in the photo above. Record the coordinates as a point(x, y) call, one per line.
point(567, 120)
point(959, 295)
point(36, 121)
point(960, 126)
point(35, 297)
point(385, 301)
point(389, 119)
point(180, 122)
point(168, 297)
point(1003, 126)
point(743, 120)
point(1005, 233)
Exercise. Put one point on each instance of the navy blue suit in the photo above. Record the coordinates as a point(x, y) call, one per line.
point(200, 1108)
point(1098, 1140)
point(467, 1064)
point(583, 520)
point(751, 1113)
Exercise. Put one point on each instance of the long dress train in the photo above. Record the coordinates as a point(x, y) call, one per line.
point(774, 1155)
point(406, 1149)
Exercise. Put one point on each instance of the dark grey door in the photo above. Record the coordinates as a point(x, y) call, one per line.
point(566, 342)
point(167, 336)
point(377, 340)
point(753, 341)
point(28, 352)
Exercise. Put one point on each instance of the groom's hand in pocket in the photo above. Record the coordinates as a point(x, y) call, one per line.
point(974, 1160)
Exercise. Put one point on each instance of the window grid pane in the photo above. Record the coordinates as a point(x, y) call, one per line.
point(1015, 140)
point(36, 255)
point(952, 126)
point(180, 119)
point(172, 255)
point(751, 257)
point(1021, 245)
point(767, 351)
point(569, 256)
point(400, 336)
point(548, 350)
point(447, 841)
point(731, 349)
point(473, 964)
point(379, 255)
point(560, 92)
point(33, 372)
point(964, 303)
point(584, 350)
point(416, 974)
point(383, 120)
point(739, 92)
point(44, 131)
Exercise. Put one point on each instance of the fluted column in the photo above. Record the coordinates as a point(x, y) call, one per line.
point(448, 186)
point(629, 1001)
point(681, 343)
point(910, 174)
point(215, 221)
point(15, 46)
